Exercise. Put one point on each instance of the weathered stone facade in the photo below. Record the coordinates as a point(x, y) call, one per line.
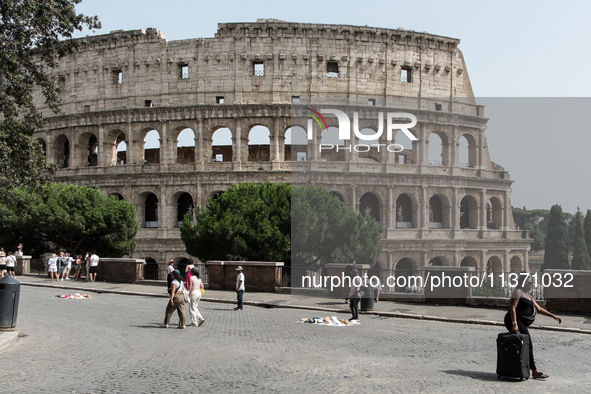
point(120, 86)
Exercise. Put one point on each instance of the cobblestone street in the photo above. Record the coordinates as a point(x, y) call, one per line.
point(111, 343)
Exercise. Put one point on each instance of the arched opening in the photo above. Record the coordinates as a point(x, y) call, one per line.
point(467, 151)
point(435, 262)
point(296, 144)
point(372, 153)
point(182, 265)
point(332, 148)
point(435, 212)
point(221, 145)
point(151, 211)
point(494, 214)
point(185, 147)
point(92, 151)
point(184, 206)
point(516, 265)
point(117, 196)
point(259, 144)
point(403, 212)
point(151, 269)
point(62, 145)
point(121, 143)
point(435, 148)
point(152, 147)
point(404, 269)
point(469, 261)
point(369, 205)
point(404, 156)
point(338, 196)
point(468, 213)
point(494, 264)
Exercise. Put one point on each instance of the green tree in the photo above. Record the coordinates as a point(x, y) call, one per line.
point(325, 230)
point(246, 222)
point(536, 234)
point(581, 259)
point(73, 218)
point(587, 228)
point(556, 252)
point(33, 36)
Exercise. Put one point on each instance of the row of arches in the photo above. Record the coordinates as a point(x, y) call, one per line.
point(222, 145)
point(494, 264)
point(406, 210)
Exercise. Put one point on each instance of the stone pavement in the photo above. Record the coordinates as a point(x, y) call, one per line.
point(458, 314)
point(8, 338)
point(112, 344)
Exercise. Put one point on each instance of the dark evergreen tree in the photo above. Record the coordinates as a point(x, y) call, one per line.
point(587, 228)
point(556, 252)
point(581, 259)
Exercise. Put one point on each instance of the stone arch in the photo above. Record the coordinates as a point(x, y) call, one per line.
point(62, 151)
point(372, 154)
point(181, 264)
point(149, 212)
point(436, 149)
point(467, 151)
point(184, 205)
point(338, 195)
point(221, 145)
point(469, 212)
point(435, 212)
point(185, 145)
point(259, 144)
point(405, 267)
point(369, 205)
point(330, 136)
point(87, 149)
point(406, 156)
point(404, 211)
point(494, 213)
point(516, 264)
point(151, 269)
point(494, 264)
point(469, 261)
point(296, 144)
point(151, 147)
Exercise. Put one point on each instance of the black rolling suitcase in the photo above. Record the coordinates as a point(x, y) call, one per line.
point(513, 356)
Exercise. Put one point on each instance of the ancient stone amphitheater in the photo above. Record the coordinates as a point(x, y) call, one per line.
point(168, 124)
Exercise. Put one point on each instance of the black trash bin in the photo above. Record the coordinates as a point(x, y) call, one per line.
point(367, 298)
point(10, 290)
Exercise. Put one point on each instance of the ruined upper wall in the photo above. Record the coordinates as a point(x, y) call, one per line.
point(132, 69)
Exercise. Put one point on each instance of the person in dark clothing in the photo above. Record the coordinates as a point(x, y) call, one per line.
point(348, 270)
point(522, 312)
point(356, 285)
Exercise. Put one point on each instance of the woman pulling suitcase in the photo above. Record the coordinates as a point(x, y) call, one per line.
point(522, 313)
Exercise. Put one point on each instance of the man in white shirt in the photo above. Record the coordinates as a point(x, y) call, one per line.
point(10, 263)
point(94, 260)
point(240, 288)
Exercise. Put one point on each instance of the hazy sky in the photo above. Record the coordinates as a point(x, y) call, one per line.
point(512, 49)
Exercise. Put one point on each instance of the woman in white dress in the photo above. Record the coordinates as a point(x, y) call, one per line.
point(195, 286)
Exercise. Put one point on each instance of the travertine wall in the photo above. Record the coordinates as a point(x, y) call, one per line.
point(101, 111)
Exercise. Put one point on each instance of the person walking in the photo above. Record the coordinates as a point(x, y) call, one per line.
point(195, 286)
point(70, 261)
point(94, 261)
point(522, 313)
point(354, 294)
point(87, 261)
point(188, 269)
point(169, 275)
point(10, 263)
point(176, 302)
point(240, 289)
point(52, 267)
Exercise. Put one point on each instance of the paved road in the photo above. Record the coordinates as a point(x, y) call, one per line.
point(111, 344)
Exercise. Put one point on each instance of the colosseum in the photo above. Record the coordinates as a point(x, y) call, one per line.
point(168, 124)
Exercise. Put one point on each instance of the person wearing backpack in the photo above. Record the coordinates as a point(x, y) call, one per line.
point(63, 266)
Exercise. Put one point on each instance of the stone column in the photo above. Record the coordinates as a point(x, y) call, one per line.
point(104, 155)
point(353, 198)
point(422, 156)
point(483, 261)
point(526, 259)
point(167, 144)
point(455, 219)
point(506, 210)
point(454, 159)
point(483, 222)
point(163, 223)
point(507, 262)
point(237, 146)
point(480, 146)
point(391, 211)
point(422, 210)
point(199, 144)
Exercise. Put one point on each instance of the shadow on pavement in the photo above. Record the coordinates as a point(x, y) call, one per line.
point(483, 376)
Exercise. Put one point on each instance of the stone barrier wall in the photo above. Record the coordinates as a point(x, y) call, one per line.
point(562, 299)
point(258, 275)
point(123, 270)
